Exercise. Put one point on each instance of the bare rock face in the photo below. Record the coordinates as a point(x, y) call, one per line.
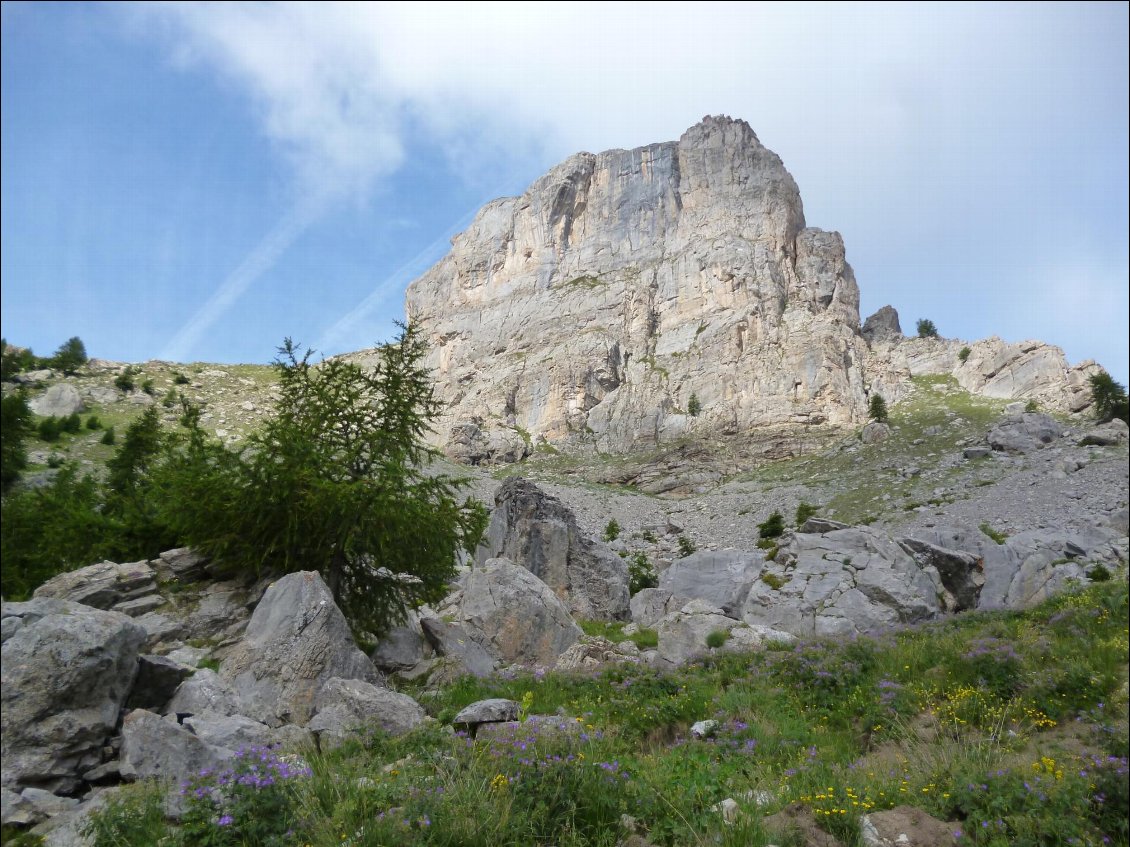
point(883, 326)
point(593, 307)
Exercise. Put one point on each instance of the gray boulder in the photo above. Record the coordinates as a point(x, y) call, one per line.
point(883, 326)
point(452, 641)
point(540, 533)
point(651, 604)
point(515, 615)
point(818, 526)
point(182, 564)
point(874, 432)
point(67, 669)
point(1107, 434)
point(683, 632)
point(230, 732)
point(487, 711)
point(59, 401)
point(345, 706)
point(963, 574)
point(1024, 433)
point(720, 579)
point(401, 647)
point(103, 585)
point(297, 639)
point(849, 581)
point(153, 746)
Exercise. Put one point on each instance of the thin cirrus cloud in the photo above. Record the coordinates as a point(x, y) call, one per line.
point(898, 119)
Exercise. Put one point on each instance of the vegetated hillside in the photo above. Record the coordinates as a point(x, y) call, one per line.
point(1008, 728)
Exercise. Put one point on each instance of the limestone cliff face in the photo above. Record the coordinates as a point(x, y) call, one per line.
point(593, 307)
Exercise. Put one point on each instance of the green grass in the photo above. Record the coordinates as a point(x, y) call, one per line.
point(644, 638)
point(1009, 725)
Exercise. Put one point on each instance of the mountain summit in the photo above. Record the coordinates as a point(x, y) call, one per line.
point(632, 296)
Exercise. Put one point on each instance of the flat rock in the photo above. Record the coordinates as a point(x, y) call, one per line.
point(487, 711)
point(348, 706)
point(60, 400)
point(103, 585)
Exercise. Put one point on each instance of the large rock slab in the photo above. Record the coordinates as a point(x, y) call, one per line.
point(297, 639)
point(722, 578)
point(153, 746)
point(540, 533)
point(67, 670)
point(515, 615)
point(848, 581)
point(349, 706)
point(452, 641)
point(683, 633)
point(1024, 433)
point(60, 400)
point(103, 585)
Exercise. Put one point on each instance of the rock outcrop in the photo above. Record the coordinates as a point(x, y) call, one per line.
point(539, 532)
point(621, 284)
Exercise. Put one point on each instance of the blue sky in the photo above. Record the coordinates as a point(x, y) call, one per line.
point(196, 182)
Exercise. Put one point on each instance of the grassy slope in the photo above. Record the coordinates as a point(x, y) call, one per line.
point(1010, 725)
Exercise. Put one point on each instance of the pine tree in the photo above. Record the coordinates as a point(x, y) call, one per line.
point(877, 408)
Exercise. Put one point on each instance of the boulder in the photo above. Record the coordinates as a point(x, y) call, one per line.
point(468, 444)
point(882, 327)
point(67, 670)
point(818, 526)
point(963, 574)
point(906, 826)
point(719, 579)
point(848, 581)
point(158, 678)
point(103, 585)
point(540, 533)
point(874, 432)
point(60, 401)
point(651, 604)
point(346, 706)
point(1106, 435)
point(515, 615)
point(1024, 433)
point(229, 732)
point(486, 711)
point(684, 632)
point(153, 746)
point(402, 646)
point(297, 639)
point(182, 564)
point(451, 641)
point(593, 652)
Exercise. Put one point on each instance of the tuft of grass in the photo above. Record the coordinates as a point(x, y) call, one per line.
point(996, 535)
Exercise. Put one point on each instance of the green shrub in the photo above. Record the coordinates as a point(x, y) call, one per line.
point(694, 407)
point(641, 573)
point(996, 535)
point(124, 380)
point(1099, 573)
point(70, 356)
point(180, 379)
point(686, 546)
point(1109, 398)
point(649, 536)
point(612, 530)
point(877, 408)
point(15, 427)
point(108, 436)
point(1031, 406)
point(50, 429)
point(804, 511)
point(148, 388)
point(93, 423)
point(926, 328)
point(72, 423)
point(772, 580)
point(55, 461)
point(772, 527)
point(717, 638)
point(963, 354)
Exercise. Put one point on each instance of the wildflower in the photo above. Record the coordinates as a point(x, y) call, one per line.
point(225, 820)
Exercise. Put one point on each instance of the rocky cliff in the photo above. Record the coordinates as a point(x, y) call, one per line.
point(634, 296)
point(624, 283)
